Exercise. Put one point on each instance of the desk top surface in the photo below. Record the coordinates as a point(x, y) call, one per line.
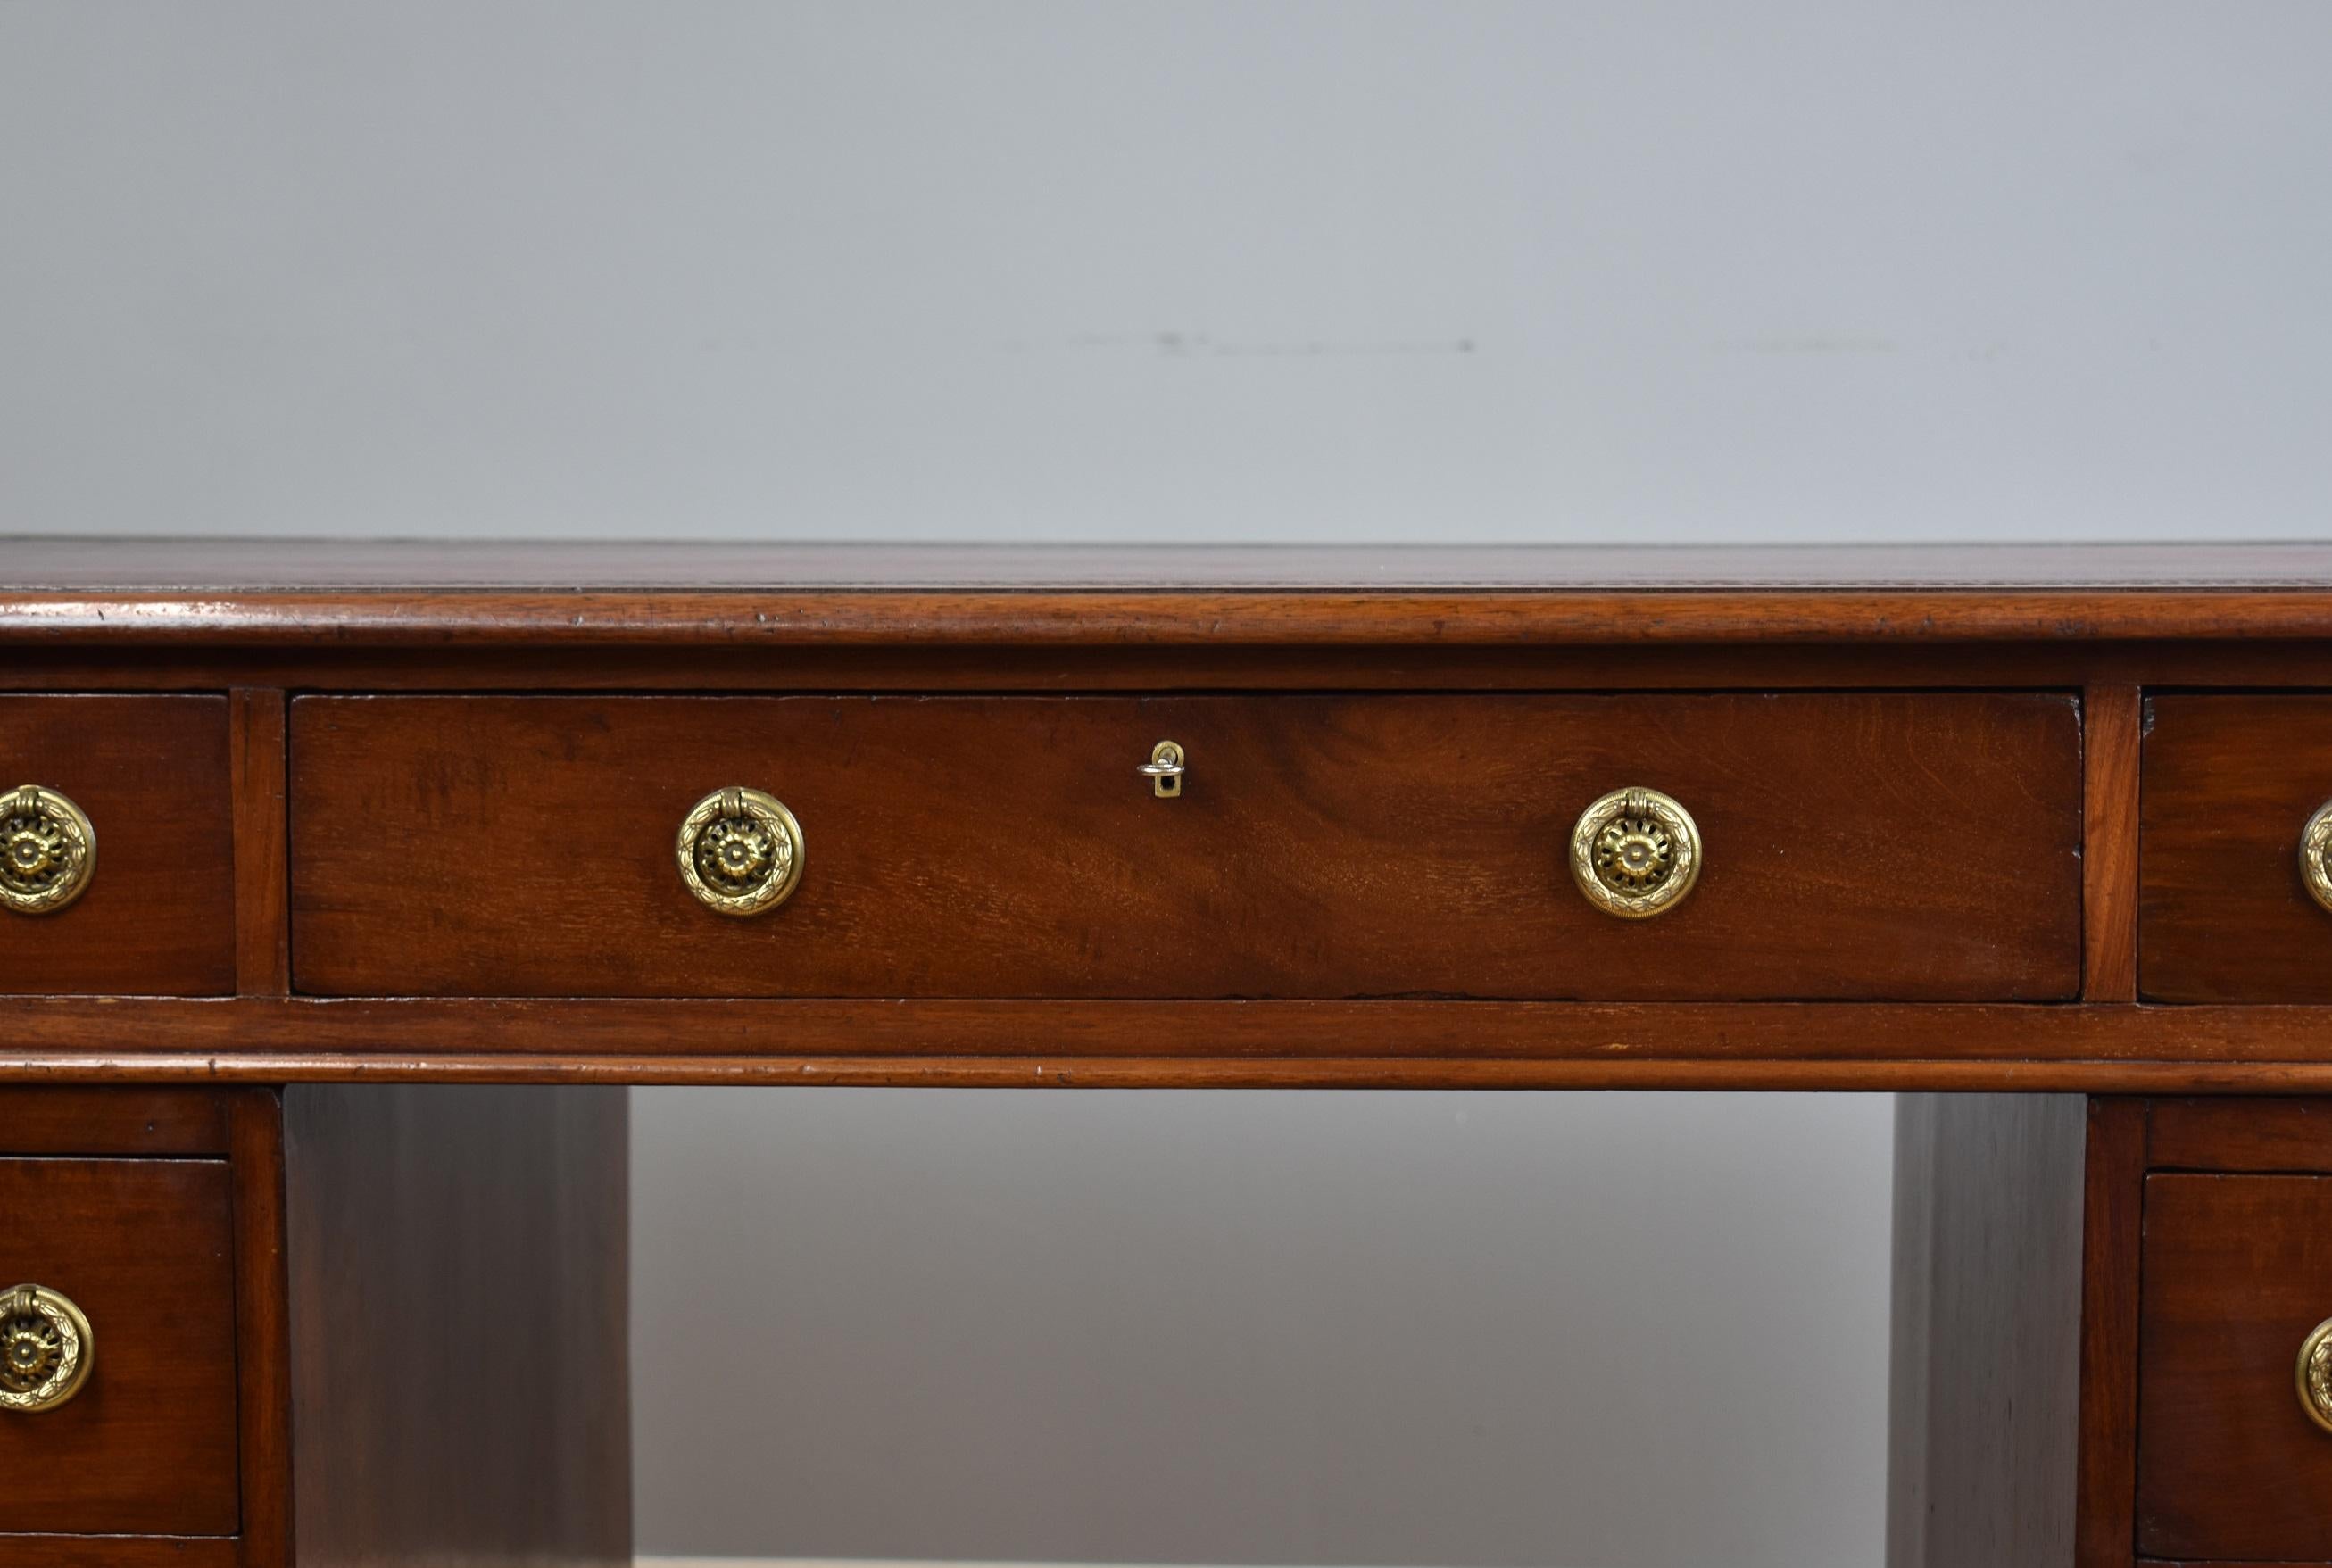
point(354, 593)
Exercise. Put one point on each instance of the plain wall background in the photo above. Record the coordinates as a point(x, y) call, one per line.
point(1342, 270)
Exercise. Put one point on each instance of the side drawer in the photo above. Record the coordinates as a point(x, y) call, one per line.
point(2236, 1274)
point(1908, 845)
point(142, 1250)
point(152, 912)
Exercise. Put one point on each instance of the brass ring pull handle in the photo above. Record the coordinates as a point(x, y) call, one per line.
point(46, 1349)
point(741, 851)
point(2314, 1374)
point(48, 850)
point(2315, 842)
point(1635, 852)
point(1165, 770)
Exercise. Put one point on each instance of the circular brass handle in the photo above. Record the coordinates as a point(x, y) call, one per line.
point(46, 1349)
point(48, 850)
point(2314, 841)
point(2314, 1374)
point(1635, 852)
point(741, 851)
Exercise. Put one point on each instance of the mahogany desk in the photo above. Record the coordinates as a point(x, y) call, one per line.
point(2039, 826)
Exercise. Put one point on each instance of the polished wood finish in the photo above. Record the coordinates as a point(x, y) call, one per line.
point(2260, 1135)
point(262, 935)
point(1916, 847)
point(159, 917)
point(263, 1327)
point(145, 1248)
point(1986, 1331)
point(2111, 722)
point(457, 1261)
point(2230, 782)
point(257, 593)
point(111, 1122)
point(1413, 1043)
point(2237, 1270)
point(2105, 1484)
point(2012, 820)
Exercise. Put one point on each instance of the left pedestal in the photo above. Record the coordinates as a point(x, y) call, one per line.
point(322, 1326)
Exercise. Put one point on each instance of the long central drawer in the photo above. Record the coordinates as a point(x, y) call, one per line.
point(1853, 845)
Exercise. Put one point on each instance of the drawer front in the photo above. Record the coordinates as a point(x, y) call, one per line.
point(150, 775)
point(2236, 1271)
point(2224, 915)
point(1863, 845)
point(144, 1249)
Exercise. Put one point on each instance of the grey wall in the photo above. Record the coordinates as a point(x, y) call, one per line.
point(1331, 1328)
point(1360, 270)
point(1380, 269)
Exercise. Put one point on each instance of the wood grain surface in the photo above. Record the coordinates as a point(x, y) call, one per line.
point(460, 1367)
point(2230, 782)
point(152, 776)
point(2237, 1270)
point(84, 1120)
point(2111, 723)
point(248, 592)
point(145, 1248)
point(2105, 1486)
point(1919, 846)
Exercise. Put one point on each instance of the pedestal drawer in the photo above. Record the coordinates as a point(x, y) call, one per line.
point(2236, 1278)
point(117, 1356)
point(1865, 844)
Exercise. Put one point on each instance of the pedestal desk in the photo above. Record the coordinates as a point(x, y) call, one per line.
point(295, 835)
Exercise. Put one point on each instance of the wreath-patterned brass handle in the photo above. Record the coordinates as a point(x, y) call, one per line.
point(1635, 852)
point(48, 850)
point(2315, 842)
point(2314, 1374)
point(46, 1349)
point(741, 851)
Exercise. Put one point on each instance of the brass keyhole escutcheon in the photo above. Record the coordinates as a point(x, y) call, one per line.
point(741, 851)
point(1635, 852)
point(48, 850)
point(46, 1349)
point(1165, 768)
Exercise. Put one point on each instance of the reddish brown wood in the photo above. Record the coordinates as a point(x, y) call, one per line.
point(251, 592)
point(1911, 1075)
point(988, 668)
point(2237, 1270)
point(262, 1332)
point(122, 1551)
point(141, 1121)
point(2229, 783)
point(145, 1248)
point(458, 1264)
point(2109, 755)
point(1921, 846)
point(263, 930)
point(2243, 1135)
point(2208, 1044)
point(2105, 1481)
point(779, 620)
point(151, 773)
